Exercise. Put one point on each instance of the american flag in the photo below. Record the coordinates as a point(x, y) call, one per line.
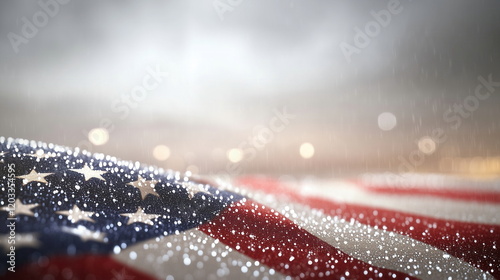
point(70, 214)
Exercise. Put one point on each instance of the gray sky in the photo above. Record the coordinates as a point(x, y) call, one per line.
point(227, 76)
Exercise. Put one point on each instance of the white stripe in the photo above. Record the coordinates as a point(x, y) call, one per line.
point(430, 181)
point(441, 208)
point(193, 255)
point(377, 247)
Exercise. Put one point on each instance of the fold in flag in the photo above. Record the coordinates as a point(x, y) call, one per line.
point(69, 214)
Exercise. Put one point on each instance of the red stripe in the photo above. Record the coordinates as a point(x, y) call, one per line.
point(78, 267)
point(269, 237)
point(477, 244)
point(478, 195)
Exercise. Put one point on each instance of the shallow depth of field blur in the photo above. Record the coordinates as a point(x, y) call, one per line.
point(290, 87)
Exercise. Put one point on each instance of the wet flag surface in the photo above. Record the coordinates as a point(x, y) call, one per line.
point(68, 214)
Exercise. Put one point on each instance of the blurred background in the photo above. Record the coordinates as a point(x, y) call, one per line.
point(325, 88)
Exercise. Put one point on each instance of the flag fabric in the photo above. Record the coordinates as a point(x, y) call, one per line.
point(70, 214)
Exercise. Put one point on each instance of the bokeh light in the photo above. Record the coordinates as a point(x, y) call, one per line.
point(387, 121)
point(98, 136)
point(235, 155)
point(306, 150)
point(161, 152)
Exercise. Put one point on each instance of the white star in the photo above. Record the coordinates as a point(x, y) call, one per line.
point(33, 176)
point(122, 275)
point(22, 240)
point(41, 154)
point(20, 208)
point(76, 214)
point(193, 188)
point(85, 234)
point(145, 186)
point(89, 173)
point(140, 217)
